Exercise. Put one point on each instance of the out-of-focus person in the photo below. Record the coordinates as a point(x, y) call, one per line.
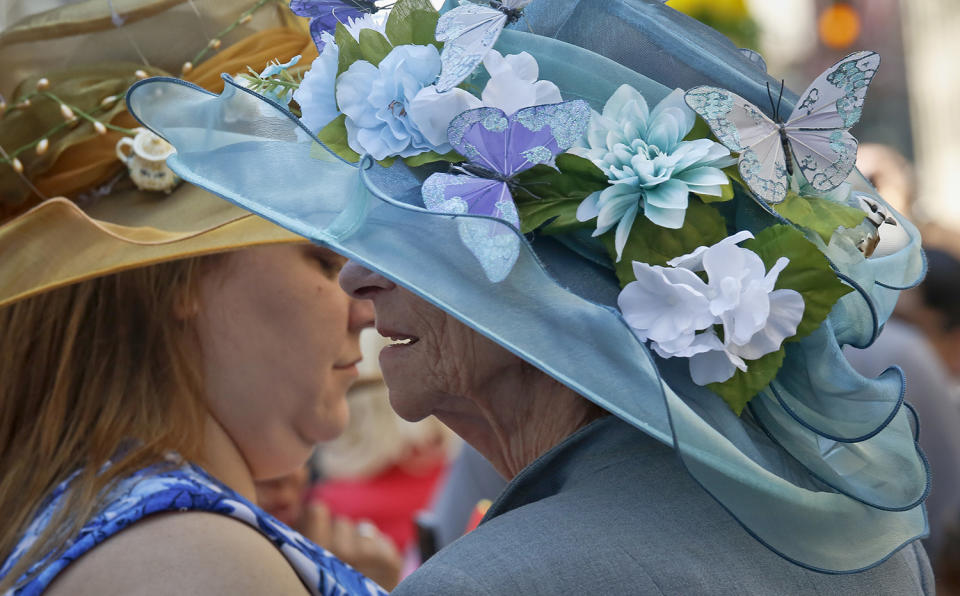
point(891, 173)
point(360, 543)
point(383, 469)
point(923, 339)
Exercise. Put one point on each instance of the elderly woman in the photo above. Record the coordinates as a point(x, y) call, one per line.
point(645, 340)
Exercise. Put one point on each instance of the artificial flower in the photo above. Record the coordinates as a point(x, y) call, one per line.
point(512, 86)
point(677, 311)
point(666, 306)
point(432, 112)
point(376, 101)
point(756, 318)
point(376, 22)
point(513, 83)
point(316, 96)
point(648, 162)
point(324, 18)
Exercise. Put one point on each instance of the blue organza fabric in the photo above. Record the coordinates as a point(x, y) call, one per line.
point(823, 467)
point(180, 486)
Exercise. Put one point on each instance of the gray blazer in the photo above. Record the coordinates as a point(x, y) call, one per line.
point(612, 511)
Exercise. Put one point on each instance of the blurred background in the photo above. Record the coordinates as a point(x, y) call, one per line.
point(909, 137)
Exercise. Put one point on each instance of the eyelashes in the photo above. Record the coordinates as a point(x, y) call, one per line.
point(330, 262)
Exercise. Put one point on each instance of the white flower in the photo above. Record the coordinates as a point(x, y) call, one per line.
point(432, 113)
point(676, 310)
point(666, 306)
point(318, 103)
point(376, 21)
point(755, 317)
point(513, 83)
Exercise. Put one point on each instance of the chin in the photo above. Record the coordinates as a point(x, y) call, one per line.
point(326, 427)
point(409, 407)
point(286, 463)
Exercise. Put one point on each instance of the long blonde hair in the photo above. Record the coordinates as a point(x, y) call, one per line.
point(84, 370)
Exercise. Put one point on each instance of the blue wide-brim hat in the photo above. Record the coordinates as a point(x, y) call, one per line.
point(822, 466)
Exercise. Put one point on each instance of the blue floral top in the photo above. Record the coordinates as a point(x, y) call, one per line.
point(183, 487)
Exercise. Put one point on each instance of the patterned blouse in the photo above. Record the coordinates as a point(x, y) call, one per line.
point(183, 487)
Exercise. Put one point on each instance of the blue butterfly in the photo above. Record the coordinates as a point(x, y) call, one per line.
point(497, 148)
point(325, 14)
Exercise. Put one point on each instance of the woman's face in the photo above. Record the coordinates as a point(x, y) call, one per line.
point(440, 360)
point(279, 342)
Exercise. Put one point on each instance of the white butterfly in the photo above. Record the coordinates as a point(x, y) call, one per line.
point(468, 33)
point(813, 141)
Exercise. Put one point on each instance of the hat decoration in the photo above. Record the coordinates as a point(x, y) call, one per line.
point(582, 215)
point(81, 109)
point(645, 180)
point(83, 191)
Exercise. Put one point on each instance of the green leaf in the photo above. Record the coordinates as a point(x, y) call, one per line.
point(726, 195)
point(700, 130)
point(431, 157)
point(560, 215)
point(823, 216)
point(574, 178)
point(412, 22)
point(387, 162)
point(334, 136)
point(702, 226)
point(809, 273)
point(374, 46)
point(739, 389)
point(546, 195)
point(349, 48)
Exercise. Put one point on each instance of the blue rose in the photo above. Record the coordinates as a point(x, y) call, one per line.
point(318, 106)
point(376, 101)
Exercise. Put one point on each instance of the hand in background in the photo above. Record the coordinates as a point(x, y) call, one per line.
point(358, 544)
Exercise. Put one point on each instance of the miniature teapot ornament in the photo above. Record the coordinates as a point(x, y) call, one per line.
point(145, 155)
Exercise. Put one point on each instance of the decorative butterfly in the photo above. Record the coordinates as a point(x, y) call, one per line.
point(814, 141)
point(497, 148)
point(468, 33)
point(325, 14)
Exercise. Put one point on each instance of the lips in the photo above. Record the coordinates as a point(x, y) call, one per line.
point(349, 364)
point(399, 338)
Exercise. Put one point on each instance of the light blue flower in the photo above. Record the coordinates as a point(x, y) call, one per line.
point(318, 104)
point(648, 163)
point(376, 101)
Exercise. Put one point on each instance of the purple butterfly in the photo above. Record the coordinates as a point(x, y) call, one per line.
point(325, 14)
point(497, 148)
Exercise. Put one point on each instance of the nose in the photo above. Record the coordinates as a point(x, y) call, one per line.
point(361, 283)
point(361, 314)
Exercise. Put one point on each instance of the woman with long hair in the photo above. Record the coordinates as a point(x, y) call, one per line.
point(161, 351)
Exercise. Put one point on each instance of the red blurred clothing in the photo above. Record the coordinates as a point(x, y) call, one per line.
point(391, 500)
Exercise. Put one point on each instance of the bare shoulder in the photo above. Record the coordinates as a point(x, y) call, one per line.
point(181, 553)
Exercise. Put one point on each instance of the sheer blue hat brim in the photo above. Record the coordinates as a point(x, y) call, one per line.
point(823, 468)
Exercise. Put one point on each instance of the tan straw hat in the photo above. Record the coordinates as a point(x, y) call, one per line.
point(73, 204)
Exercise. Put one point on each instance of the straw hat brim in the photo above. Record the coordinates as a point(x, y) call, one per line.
point(56, 243)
